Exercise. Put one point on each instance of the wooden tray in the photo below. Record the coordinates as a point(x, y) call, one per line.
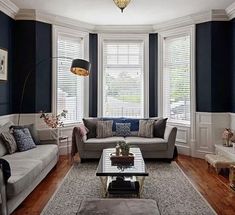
point(122, 160)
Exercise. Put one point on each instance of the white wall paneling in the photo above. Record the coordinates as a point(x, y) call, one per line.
point(209, 128)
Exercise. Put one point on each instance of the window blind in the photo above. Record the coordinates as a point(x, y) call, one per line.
point(70, 88)
point(176, 78)
point(123, 80)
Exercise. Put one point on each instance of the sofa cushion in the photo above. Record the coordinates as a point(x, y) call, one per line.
point(95, 144)
point(32, 129)
point(9, 141)
point(104, 129)
point(23, 172)
point(123, 129)
point(91, 124)
point(146, 128)
point(148, 144)
point(159, 127)
point(44, 153)
point(5, 127)
point(23, 139)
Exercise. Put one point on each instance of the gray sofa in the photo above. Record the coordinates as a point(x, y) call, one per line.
point(28, 169)
point(150, 147)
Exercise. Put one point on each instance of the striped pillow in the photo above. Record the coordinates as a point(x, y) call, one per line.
point(146, 128)
point(104, 129)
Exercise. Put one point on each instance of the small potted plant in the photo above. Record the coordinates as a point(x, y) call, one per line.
point(125, 148)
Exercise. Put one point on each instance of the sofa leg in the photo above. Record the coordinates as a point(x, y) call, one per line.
point(169, 160)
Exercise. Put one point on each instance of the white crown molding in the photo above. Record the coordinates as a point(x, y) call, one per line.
point(231, 11)
point(31, 14)
point(9, 8)
point(206, 16)
point(139, 29)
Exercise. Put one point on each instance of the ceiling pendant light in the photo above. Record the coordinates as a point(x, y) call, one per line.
point(122, 3)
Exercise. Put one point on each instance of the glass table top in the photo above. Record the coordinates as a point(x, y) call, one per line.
point(105, 167)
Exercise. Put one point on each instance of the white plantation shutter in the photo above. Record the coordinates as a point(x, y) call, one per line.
point(176, 78)
point(123, 79)
point(70, 87)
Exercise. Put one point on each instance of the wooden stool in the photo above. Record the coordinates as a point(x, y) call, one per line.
point(218, 162)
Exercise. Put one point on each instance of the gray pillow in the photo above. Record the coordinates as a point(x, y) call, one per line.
point(23, 139)
point(160, 127)
point(3, 148)
point(32, 129)
point(91, 125)
point(123, 129)
point(9, 141)
point(146, 128)
point(104, 129)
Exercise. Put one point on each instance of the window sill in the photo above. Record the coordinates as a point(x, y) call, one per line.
point(179, 123)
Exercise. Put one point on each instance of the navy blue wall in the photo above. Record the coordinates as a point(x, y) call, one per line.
point(6, 42)
point(232, 65)
point(212, 67)
point(93, 78)
point(33, 44)
point(153, 78)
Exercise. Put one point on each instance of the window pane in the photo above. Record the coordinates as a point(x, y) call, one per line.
point(69, 86)
point(176, 78)
point(123, 80)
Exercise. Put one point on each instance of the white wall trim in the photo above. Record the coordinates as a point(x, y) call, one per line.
point(142, 37)
point(9, 8)
point(37, 15)
point(231, 11)
point(13, 11)
point(131, 29)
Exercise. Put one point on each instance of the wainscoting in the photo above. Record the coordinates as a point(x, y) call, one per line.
point(44, 132)
point(208, 130)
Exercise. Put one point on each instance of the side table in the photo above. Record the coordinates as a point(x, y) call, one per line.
point(63, 139)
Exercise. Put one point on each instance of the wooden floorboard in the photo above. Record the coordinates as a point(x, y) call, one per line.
point(213, 187)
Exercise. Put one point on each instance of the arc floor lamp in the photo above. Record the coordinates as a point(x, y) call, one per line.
point(78, 67)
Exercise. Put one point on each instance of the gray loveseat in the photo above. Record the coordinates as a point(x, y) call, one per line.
point(28, 169)
point(88, 146)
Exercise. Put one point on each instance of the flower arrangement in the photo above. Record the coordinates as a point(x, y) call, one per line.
point(53, 121)
point(226, 136)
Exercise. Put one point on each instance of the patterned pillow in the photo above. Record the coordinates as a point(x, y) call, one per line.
point(104, 129)
point(146, 128)
point(9, 141)
point(123, 129)
point(23, 139)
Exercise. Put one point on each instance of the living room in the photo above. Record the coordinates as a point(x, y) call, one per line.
point(117, 107)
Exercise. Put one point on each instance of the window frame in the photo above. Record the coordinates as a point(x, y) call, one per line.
point(188, 30)
point(124, 37)
point(58, 30)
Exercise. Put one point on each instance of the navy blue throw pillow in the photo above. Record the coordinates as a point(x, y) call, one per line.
point(123, 129)
point(23, 139)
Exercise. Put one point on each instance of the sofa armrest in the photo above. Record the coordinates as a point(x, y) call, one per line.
point(170, 137)
point(78, 141)
point(3, 201)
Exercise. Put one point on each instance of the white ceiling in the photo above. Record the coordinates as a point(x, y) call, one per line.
point(138, 12)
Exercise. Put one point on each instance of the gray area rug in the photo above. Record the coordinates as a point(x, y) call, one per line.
point(166, 184)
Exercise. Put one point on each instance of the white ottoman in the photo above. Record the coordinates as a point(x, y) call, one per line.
point(218, 162)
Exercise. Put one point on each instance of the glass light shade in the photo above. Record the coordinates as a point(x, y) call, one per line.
point(122, 3)
point(80, 67)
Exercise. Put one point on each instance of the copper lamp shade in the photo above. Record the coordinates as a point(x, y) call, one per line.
point(80, 67)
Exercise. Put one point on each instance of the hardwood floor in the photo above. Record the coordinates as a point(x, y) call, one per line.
point(213, 187)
